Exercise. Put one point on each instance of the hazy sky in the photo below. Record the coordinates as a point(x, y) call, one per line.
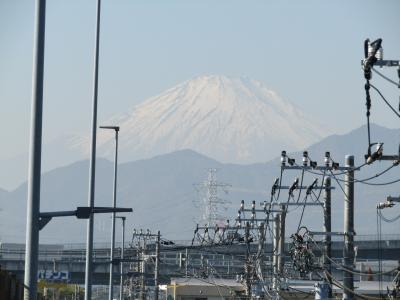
point(308, 51)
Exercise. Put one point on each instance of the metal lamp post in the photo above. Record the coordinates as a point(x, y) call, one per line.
point(121, 270)
point(33, 201)
point(110, 291)
point(92, 167)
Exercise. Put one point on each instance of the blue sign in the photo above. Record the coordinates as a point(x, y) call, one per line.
point(54, 276)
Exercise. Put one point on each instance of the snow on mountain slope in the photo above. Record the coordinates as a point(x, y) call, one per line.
point(229, 119)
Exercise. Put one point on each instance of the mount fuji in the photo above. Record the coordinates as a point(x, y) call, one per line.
point(235, 120)
point(232, 120)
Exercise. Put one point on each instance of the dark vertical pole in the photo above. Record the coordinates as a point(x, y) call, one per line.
point(35, 156)
point(261, 243)
point(92, 167)
point(348, 251)
point(111, 284)
point(328, 228)
point(156, 267)
point(275, 260)
point(186, 262)
point(142, 295)
point(121, 282)
point(282, 226)
point(247, 264)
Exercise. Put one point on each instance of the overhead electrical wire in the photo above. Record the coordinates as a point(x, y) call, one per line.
point(386, 219)
point(337, 181)
point(386, 78)
point(338, 284)
point(364, 180)
point(384, 99)
point(382, 183)
point(342, 268)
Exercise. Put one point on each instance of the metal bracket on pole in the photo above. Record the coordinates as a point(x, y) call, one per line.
point(43, 222)
point(393, 199)
point(385, 63)
point(82, 212)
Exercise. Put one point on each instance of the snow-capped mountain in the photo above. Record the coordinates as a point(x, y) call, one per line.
point(229, 119)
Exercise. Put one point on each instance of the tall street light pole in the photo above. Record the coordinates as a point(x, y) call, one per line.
point(92, 167)
point(111, 285)
point(35, 156)
point(121, 270)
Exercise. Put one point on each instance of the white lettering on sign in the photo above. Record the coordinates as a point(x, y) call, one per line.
point(50, 275)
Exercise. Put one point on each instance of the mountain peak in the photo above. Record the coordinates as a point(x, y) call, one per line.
point(229, 119)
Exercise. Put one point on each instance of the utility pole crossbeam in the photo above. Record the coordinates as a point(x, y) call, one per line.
point(35, 152)
point(385, 63)
point(298, 204)
point(348, 251)
point(318, 168)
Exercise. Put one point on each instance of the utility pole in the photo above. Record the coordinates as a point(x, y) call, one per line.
point(142, 295)
point(186, 262)
point(35, 156)
point(143, 237)
point(247, 266)
point(261, 243)
point(275, 250)
point(121, 270)
point(328, 229)
point(348, 251)
point(156, 266)
point(92, 167)
point(281, 257)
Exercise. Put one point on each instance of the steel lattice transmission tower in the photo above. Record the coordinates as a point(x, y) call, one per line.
point(211, 201)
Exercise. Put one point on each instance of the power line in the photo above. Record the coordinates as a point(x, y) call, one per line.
point(384, 99)
point(386, 78)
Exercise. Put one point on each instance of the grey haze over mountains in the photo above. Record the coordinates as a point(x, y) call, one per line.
point(232, 120)
point(160, 190)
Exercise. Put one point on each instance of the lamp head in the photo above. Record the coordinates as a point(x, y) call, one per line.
point(116, 128)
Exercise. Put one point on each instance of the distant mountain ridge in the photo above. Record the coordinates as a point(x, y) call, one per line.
point(163, 197)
